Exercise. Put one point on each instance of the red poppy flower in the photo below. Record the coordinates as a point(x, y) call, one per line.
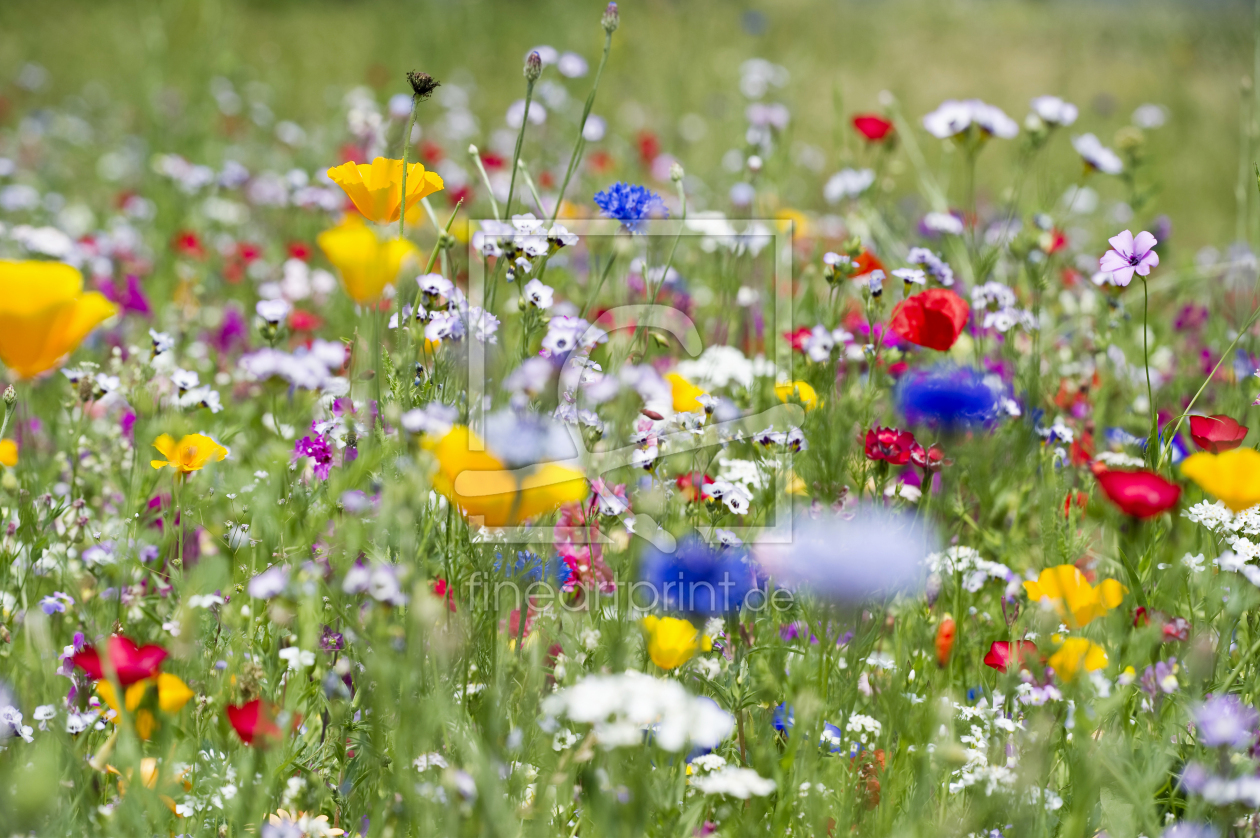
point(186, 243)
point(865, 263)
point(131, 663)
point(934, 318)
point(431, 153)
point(649, 147)
point(1002, 653)
point(248, 252)
point(1079, 498)
point(443, 590)
point(254, 720)
point(1215, 434)
point(463, 194)
point(492, 161)
point(1142, 494)
point(299, 250)
point(889, 445)
point(872, 126)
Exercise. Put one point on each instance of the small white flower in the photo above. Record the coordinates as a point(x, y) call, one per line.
point(539, 295)
point(273, 311)
point(297, 658)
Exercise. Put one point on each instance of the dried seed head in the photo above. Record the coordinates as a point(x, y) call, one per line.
point(422, 84)
point(611, 19)
point(10, 396)
point(533, 66)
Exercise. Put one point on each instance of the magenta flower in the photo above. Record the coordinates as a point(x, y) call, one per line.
point(1129, 255)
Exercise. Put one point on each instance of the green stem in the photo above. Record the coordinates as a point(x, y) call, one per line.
point(682, 197)
point(580, 143)
point(402, 207)
point(516, 155)
point(1152, 444)
point(485, 178)
point(603, 276)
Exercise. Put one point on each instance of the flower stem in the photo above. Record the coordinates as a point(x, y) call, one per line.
point(520, 139)
point(580, 144)
point(1152, 443)
point(411, 125)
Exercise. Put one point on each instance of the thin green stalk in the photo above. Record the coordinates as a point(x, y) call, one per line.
point(682, 197)
point(485, 179)
point(520, 139)
point(533, 190)
point(603, 276)
point(580, 143)
point(1152, 443)
point(406, 140)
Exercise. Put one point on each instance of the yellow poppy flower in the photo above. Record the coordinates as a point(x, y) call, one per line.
point(44, 314)
point(479, 484)
point(1077, 602)
point(672, 642)
point(1077, 654)
point(366, 263)
point(801, 389)
point(172, 695)
point(8, 453)
point(1233, 476)
point(189, 454)
point(376, 187)
point(684, 393)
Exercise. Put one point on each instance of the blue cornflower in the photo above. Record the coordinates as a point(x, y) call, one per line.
point(946, 396)
point(630, 204)
point(699, 579)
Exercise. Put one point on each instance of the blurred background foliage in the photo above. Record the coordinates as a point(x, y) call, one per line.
point(153, 62)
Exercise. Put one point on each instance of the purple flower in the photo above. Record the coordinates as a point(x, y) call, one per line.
point(1189, 829)
point(630, 204)
point(318, 449)
point(331, 641)
point(1224, 720)
point(55, 604)
point(1129, 255)
point(130, 298)
point(270, 583)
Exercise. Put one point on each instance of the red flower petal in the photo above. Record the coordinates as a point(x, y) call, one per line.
point(253, 720)
point(1003, 652)
point(872, 126)
point(131, 663)
point(934, 318)
point(1142, 494)
point(1216, 433)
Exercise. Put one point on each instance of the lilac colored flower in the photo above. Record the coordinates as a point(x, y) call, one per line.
point(270, 583)
point(630, 204)
point(318, 449)
point(1224, 720)
point(1129, 255)
point(232, 331)
point(130, 298)
point(331, 641)
point(52, 605)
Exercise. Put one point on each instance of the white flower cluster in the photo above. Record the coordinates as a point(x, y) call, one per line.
point(975, 569)
point(742, 783)
point(1234, 529)
point(623, 707)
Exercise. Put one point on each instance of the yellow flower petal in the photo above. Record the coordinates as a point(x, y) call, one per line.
point(173, 693)
point(684, 393)
point(365, 263)
point(806, 394)
point(376, 188)
point(671, 642)
point(1232, 476)
point(44, 314)
point(8, 453)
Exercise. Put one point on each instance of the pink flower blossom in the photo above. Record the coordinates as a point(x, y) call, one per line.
point(1129, 255)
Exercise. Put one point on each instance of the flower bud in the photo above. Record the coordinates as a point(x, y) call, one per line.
point(10, 396)
point(422, 84)
point(611, 19)
point(676, 172)
point(533, 66)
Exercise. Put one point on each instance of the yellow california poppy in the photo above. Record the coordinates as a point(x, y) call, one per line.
point(44, 314)
point(801, 389)
point(172, 695)
point(189, 454)
point(366, 263)
point(8, 453)
point(1233, 476)
point(685, 394)
point(1077, 602)
point(672, 642)
point(479, 484)
point(376, 187)
point(1077, 654)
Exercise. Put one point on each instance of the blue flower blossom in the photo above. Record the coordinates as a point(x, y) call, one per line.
point(699, 579)
point(946, 397)
point(630, 204)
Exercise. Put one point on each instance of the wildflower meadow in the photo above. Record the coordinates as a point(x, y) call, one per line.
point(622, 420)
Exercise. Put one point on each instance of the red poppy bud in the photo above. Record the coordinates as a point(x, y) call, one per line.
point(945, 636)
point(934, 318)
point(1142, 494)
point(1215, 434)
